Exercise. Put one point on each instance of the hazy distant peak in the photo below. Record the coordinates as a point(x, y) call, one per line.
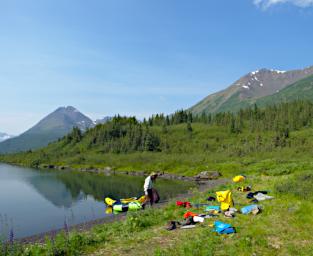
point(66, 109)
point(52, 127)
point(5, 136)
point(103, 120)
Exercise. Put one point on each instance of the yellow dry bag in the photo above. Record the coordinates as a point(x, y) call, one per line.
point(225, 198)
point(239, 178)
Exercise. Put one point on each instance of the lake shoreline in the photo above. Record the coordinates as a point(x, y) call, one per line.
point(108, 171)
point(211, 175)
point(86, 226)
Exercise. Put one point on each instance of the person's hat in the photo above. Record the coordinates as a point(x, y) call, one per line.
point(153, 174)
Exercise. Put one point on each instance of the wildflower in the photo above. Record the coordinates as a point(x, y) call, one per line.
point(11, 237)
point(66, 227)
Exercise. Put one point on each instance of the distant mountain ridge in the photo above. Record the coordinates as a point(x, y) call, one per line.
point(52, 127)
point(5, 136)
point(249, 88)
point(261, 87)
point(104, 120)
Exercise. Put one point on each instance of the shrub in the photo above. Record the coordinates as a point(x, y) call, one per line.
point(299, 186)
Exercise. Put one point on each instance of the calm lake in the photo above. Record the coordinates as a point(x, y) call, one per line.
point(33, 201)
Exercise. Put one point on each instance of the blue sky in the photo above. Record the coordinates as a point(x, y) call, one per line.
point(139, 57)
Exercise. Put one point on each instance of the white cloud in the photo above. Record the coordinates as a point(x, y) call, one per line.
point(264, 4)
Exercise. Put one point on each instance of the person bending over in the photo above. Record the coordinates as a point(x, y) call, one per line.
point(151, 193)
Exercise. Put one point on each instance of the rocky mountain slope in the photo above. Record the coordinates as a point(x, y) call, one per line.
point(300, 90)
point(250, 88)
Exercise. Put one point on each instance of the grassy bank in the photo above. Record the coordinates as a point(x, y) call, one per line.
point(283, 227)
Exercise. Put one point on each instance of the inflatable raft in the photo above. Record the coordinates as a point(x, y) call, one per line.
point(109, 201)
point(124, 205)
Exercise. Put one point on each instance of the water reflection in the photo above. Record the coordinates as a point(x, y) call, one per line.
point(33, 201)
point(55, 191)
point(65, 188)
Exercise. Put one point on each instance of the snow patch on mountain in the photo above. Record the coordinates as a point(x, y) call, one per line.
point(255, 72)
point(278, 71)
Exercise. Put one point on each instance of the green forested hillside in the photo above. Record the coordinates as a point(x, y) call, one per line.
point(302, 89)
point(185, 144)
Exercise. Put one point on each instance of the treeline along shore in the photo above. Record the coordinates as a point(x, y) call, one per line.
point(182, 143)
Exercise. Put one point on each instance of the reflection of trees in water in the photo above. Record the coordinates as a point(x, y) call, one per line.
point(54, 191)
point(117, 186)
point(101, 186)
point(64, 188)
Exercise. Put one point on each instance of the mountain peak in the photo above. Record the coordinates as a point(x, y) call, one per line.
point(66, 116)
point(50, 128)
point(66, 109)
point(278, 71)
point(254, 85)
point(266, 70)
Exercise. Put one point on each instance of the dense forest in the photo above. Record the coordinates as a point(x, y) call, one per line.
point(127, 134)
point(181, 142)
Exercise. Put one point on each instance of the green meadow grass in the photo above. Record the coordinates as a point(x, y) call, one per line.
point(282, 228)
